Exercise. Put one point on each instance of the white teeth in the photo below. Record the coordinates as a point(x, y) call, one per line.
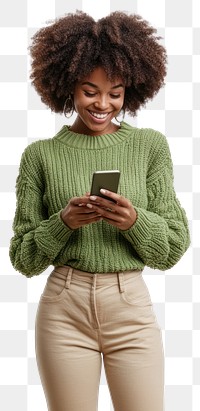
point(98, 115)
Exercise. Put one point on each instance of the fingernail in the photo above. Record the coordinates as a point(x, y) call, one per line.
point(93, 198)
point(89, 205)
point(103, 191)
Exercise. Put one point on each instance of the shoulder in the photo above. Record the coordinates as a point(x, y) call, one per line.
point(38, 148)
point(156, 141)
point(153, 147)
point(33, 159)
point(159, 155)
point(152, 140)
point(149, 134)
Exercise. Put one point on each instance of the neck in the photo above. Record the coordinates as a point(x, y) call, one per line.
point(80, 127)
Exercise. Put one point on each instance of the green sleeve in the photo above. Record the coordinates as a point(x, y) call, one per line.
point(38, 239)
point(160, 234)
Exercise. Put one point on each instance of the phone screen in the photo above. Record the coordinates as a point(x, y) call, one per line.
point(108, 179)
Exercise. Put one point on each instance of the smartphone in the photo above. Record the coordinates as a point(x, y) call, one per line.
point(108, 179)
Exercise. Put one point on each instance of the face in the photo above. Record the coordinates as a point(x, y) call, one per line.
point(97, 101)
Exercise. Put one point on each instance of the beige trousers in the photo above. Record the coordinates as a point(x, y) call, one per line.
point(83, 318)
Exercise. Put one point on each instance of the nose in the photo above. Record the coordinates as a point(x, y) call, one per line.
point(101, 103)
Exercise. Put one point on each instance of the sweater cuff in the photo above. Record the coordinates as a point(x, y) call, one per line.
point(58, 229)
point(142, 228)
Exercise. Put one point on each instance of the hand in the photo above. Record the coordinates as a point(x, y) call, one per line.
point(76, 213)
point(120, 213)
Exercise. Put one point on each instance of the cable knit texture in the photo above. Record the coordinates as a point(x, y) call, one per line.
point(54, 170)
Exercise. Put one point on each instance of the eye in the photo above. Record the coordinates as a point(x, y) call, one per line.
point(89, 94)
point(115, 95)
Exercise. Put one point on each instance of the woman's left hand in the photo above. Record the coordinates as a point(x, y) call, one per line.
point(119, 213)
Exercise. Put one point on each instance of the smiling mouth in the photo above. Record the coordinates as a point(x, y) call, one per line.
point(100, 116)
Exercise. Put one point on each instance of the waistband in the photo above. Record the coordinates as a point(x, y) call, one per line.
point(97, 278)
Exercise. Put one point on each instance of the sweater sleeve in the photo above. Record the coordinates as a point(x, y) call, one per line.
point(160, 234)
point(38, 239)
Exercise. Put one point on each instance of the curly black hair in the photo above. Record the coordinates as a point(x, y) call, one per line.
point(74, 45)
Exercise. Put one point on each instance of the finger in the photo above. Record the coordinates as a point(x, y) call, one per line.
point(78, 201)
point(120, 200)
point(104, 203)
point(89, 220)
point(105, 212)
point(86, 212)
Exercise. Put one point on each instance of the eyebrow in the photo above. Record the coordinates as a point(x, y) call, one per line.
point(95, 86)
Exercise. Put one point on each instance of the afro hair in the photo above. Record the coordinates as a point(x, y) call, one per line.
point(71, 47)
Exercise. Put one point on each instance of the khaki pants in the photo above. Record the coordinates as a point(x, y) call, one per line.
point(84, 317)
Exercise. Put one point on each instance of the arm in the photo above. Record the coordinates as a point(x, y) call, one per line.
point(37, 239)
point(159, 234)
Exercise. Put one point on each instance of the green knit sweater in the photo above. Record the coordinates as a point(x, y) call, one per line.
point(54, 170)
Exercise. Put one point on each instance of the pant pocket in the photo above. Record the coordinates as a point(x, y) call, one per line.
point(136, 292)
point(55, 287)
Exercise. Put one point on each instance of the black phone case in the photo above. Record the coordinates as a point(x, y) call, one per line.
point(108, 179)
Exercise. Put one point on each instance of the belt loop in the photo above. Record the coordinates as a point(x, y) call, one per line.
point(121, 282)
point(69, 276)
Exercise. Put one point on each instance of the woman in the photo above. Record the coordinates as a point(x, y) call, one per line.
point(95, 300)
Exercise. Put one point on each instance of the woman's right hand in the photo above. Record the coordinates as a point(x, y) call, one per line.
point(76, 214)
